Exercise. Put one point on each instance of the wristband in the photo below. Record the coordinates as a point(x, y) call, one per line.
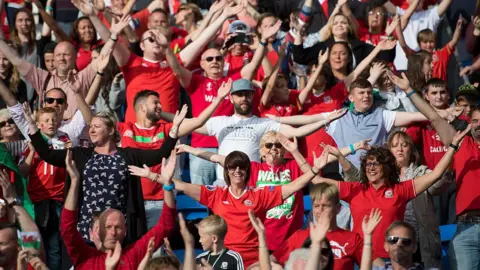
point(114, 39)
point(264, 44)
point(169, 187)
point(455, 147)
point(352, 148)
point(314, 172)
point(303, 164)
point(49, 8)
point(100, 73)
point(411, 93)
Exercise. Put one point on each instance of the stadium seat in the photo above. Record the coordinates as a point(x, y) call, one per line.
point(180, 253)
point(190, 208)
point(307, 204)
point(446, 235)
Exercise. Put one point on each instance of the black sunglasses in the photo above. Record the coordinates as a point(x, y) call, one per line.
point(218, 58)
point(151, 39)
point(59, 101)
point(392, 240)
point(270, 145)
point(9, 121)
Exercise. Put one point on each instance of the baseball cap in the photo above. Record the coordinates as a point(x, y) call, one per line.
point(241, 85)
point(238, 27)
point(467, 89)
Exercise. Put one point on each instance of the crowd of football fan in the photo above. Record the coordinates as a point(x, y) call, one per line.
point(246, 107)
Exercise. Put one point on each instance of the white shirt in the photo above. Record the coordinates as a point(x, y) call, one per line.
point(239, 134)
point(419, 21)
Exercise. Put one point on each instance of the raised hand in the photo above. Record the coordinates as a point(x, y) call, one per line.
point(225, 88)
point(334, 151)
point(144, 172)
point(168, 168)
point(458, 138)
point(99, 5)
point(38, 264)
point(387, 44)
point(186, 235)
point(323, 57)
point(369, 223)
point(27, 112)
point(73, 82)
point(341, 2)
point(102, 61)
point(402, 83)
point(183, 148)
point(160, 38)
point(391, 26)
point(336, 114)
point(217, 5)
point(296, 70)
point(322, 160)
point(476, 22)
point(363, 144)
point(256, 223)
point(70, 166)
point(84, 6)
point(9, 193)
point(271, 31)
point(318, 233)
point(180, 116)
point(233, 10)
point(148, 254)
point(287, 144)
point(113, 257)
point(377, 69)
point(168, 247)
point(118, 25)
point(205, 265)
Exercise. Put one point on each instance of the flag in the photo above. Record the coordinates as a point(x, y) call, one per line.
point(29, 239)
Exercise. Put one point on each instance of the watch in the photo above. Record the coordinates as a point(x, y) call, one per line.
point(15, 201)
point(169, 187)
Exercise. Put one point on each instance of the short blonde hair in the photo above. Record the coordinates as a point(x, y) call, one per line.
point(215, 225)
point(111, 122)
point(327, 190)
point(4, 113)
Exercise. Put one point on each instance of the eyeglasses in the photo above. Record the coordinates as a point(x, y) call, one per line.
point(59, 101)
point(270, 145)
point(371, 13)
point(392, 240)
point(9, 121)
point(372, 164)
point(217, 58)
point(150, 39)
point(232, 169)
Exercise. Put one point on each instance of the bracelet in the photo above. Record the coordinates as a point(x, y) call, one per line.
point(169, 187)
point(264, 44)
point(49, 8)
point(303, 164)
point(367, 244)
point(352, 148)
point(411, 93)
point(314, 172)
point(114, 39)
point(262, 246)
point(455, 147)
point(100, 73)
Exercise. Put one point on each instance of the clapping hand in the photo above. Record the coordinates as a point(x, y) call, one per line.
point(369, 223)
point(70, 166)
point(113, 257)
point(224, 89)
point(318, 233)
point(287, 144)
point(84, 6)
point(168, 168)
point(148, 254)
point(402, 83)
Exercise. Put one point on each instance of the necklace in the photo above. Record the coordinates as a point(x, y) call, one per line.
point(219, 256)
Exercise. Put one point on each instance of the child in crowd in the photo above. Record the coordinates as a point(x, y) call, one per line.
point(212, 231)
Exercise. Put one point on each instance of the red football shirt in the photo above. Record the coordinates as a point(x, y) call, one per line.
point(346, 247)
point(466, 164)
point(440, 62)
point(291, 107)
point(281, 221)
point(241, 236)
point(390, 200)
point(426, 137)
point(203, 91)
point(84, 57)
point(131, 135)
point(140, 74)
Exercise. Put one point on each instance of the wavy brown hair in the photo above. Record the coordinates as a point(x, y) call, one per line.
point(391, 172)
point(415, 70)
point(75, 35)
point(414, 155)
point(32, 35)
point(12, 72)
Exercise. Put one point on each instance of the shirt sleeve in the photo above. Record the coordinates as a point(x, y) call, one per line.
point(35, 76)
point(16, 112)
point(414, 131)
point(389, 119)
point(208, 195)
point(268, 197)
point(433, 17)
point(74, 127)
point(214, 125)
point(348, 190)
point(406, 190)
point(271, 125)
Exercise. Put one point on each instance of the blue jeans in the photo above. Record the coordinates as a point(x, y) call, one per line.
point(153, 209)
point(52, 240)
point(202, 172)
point(464, 250)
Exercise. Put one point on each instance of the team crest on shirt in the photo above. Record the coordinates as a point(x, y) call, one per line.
point(327, 99)
point(211, 188)
point(209, 86)
point(434, 58)
point(224, 265)
point(248, 203)
point(338, 250)
point(163, 64)
point(128, 133)
point(389, 193)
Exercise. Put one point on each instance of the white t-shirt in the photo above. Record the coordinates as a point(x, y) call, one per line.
point(239, 134)
point(419, 21)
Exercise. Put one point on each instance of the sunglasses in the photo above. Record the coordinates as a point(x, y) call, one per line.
point(150, 39)
point(59, 101)
point(392, 240)
point(232, 169)
point(217, 58)
point(270, 145)
point(9, 121)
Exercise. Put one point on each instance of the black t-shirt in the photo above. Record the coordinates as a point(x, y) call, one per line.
point(226, 260)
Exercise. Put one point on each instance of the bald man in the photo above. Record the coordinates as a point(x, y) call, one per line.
point(65, 58)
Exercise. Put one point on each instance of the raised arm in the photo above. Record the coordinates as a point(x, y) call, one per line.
point(292, 148)
point(13, 57)
point(263, 254)
point(305, 130)
point(445, 131)
point(369, 224)
point(443, 7)
point(401, 40)
point(423, 182)
point(189, 125)
point(183, 75)
point(7, 95)
point(93, 92)
point(322, 59)
point(384, 45)
point(405, 19)
point(268, 91)
point(50, 21)
point(249, 70)
point(190, 53)
point(456, 34)
point(210, 156)
point(317, 236)
point(214, 10)
point(71, 202)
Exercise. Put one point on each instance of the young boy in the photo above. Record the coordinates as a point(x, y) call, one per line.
point(467, 96)
point(427, 40)
point(212, 231)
